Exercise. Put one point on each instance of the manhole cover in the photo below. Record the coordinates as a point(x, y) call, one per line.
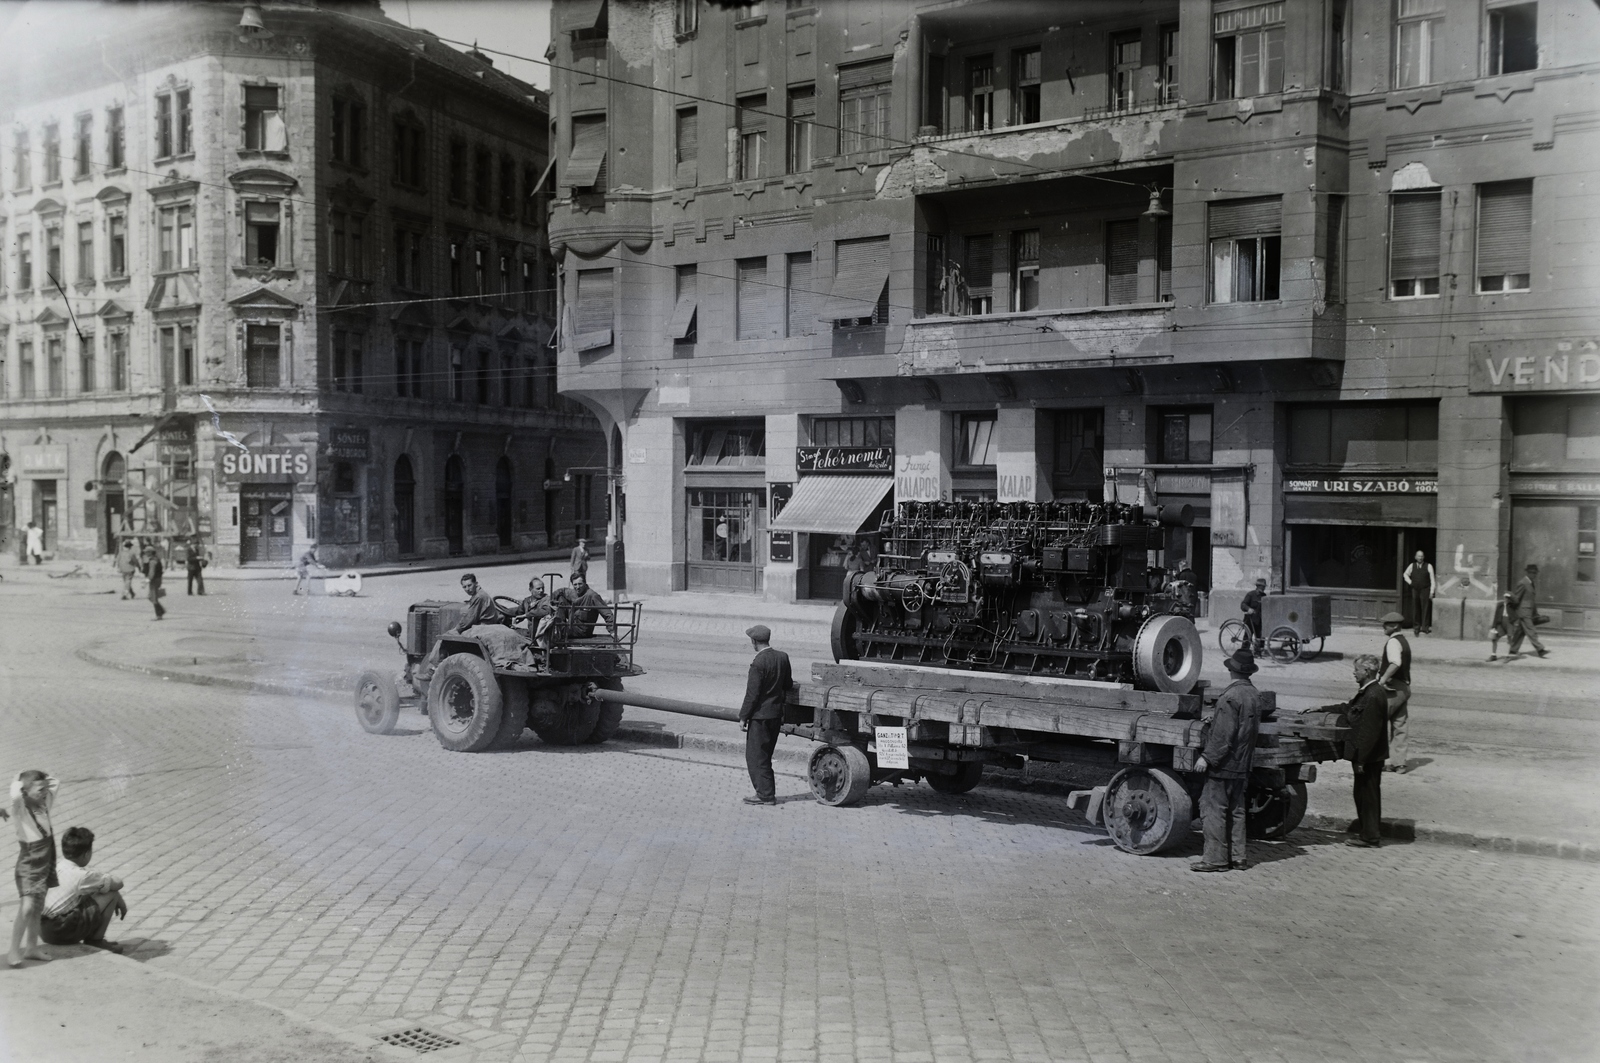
point(419, 1040)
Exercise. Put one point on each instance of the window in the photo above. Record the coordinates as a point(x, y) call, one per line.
point(1164, 258)
point(408, 158)
point(508, 186)
point(25, 261)
point(529, 296)
point(1505, 236)
point(52, 255)
point(935, 90)
point(1365, 433)
point(457, 250)
point(264, 128)
point(530, 195)
point(686, 145)
point(21, 161)
point(116, 139)
point(980, 93)
point(744, 10)
point(1414, 245)
point(594, 314)
point(685, 17)
point(752, 136)
point(1416, 35)
point(480, 271)
point(177, 355)
point(164, 126)
point(1183, 436)
point(852, 431)
point(52, 154)
point(1025, 270)
point(934, 275)
point(505, 278)
point(83, 145)
point(860, 293)
point(408, 367)
point(177, 248)
point(1167, 88)
point(1126, 49)
point(728, 444)
point(457, 376)
point(261, 223)
point(86, 251)
point(458, 170)
point(1587, 529)
point(119, 360)
point(586, 166)
point(482, 179)
point(980, 273)
point(483, 381)
point(1122, 262)
point(683, 329)
point(1079, 446)
point(25, 370)
point(977, 441)
point(261, 356)
point(1025, 71)
point(184, 120)
point(1339, 47)
point(55, 365)
point(864, 92)
point(347, 367)
point(1245, 249)
point(754, 309)
point(1513, 38)
point(186, 366)
point(1247, 52)
point(802, 127)
point(508, 377)
point(530, 384)
point(348, 132)
point(801, 310)
point(117, 259)
point(1336, 241)
point(408, 260)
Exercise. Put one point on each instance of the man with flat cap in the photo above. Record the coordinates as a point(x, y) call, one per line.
point(761, 715)
point(1396, 679)
point(1225, 762)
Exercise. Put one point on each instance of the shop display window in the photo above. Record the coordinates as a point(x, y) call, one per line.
point(725, 524)
point(1345, 556)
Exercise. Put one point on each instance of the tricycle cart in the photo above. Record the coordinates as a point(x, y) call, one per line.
point(1292, 622)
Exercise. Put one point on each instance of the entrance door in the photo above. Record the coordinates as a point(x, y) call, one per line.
point(266, 523)
point(502, 501)
point(726, 531)
point(455, 515)
point(44, 512)
point(405, 506)
point(112, 500)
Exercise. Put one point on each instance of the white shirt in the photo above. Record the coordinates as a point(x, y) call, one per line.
point(35, 540)
point(74, 881)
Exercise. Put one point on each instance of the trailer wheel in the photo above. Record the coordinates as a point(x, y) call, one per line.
point(514, 715)
point(1146, 810)
point(968, 774)
point(840, 775)
point(1283, 645)
point(1272, 814)
point(377, 703)
point(562, 717)
point(464, 704)
point(610, 721)
point(1167, 654)
point(843, 635)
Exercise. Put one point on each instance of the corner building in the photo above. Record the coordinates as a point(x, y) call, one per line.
point(1321, 270)
point(276, 286)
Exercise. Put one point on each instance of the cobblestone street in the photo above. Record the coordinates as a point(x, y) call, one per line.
point(620, 903)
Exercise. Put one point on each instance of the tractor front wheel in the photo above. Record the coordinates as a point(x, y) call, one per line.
point(464, 704)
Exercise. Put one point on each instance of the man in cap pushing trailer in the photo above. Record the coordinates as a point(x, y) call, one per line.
point(1225, 762)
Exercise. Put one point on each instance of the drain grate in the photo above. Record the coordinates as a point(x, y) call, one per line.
point(419, 1040)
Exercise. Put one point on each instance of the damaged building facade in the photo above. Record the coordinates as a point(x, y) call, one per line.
point(1322, 271)
point(277, 284)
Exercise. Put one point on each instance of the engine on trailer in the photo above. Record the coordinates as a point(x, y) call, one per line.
point(1064, 589)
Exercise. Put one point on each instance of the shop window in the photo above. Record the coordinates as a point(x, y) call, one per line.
point(586, 165)
point(802, 127)
point(1584, 568)
point(800, 310)
point(82, 145)
point(864, 100)
point(1078, 453)
point(852, 432)
point(1583, 432)
point(1122, 262)
point(1183, 436)
point(1126, 49)
point(728, 444)
point(117, 257)
point(1414, 245)
point(116, 139)
point(344, 478)
point(1247, 52)
point(1246, 249)
point(458, 170)
point(725, 523)
point(980, 273)
point(264, 128)
point(261, 356)
point(754, 300)
point(1513, 38)
point(176, 234)
point(1344, 556)
point(1167, 89)
point(52, 153)
point(752, 137)
point(1025, 86)
point(686, 145)
point(980, 93)
point(261, 226)
point(977, 442)
point(1417, 28)
point(86, 251)
point(1025, 270)
point(1344, 434)
point(1505, 236)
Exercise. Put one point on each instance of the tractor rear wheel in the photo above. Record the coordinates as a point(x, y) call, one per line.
point(464, 704)
point(562, 717)
point(514, 717)
point(610, 721)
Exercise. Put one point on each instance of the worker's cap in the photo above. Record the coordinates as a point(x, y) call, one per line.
point(1532, 568)
point(1241, 662)
point(759, 633)
point(1393, 618)
point(1261, 582)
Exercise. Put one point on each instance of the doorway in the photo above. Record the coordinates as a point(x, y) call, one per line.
point(44, 512)
point(455, 514)
point(266, 531)
point(113, 501)
point(405, 506)
point(502, 501)
point(726, 530)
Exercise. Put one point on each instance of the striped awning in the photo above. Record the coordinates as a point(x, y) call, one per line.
point(833, 505)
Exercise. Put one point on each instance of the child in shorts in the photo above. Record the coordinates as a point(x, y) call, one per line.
point(32, 794)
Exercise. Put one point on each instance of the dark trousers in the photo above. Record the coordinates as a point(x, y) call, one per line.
point(1222, 809)
point(1421, 609)
point(1369, 799)
point(197, 578)
point(155, 598)
point(759, 741)
point(1522, 628)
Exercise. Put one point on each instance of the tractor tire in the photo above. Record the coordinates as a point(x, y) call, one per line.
point(465, 705)
point(968, 774)
point(514, 717)
point(610, 715)
point(561, 717)
point(377, 703)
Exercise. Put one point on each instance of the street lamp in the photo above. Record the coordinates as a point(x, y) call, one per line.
point(616, 556)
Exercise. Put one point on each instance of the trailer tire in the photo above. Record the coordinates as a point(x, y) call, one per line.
point(1272, 814)
point(1147, 810)
point(839, 775)
point(610, 721)
point(514, 715)
point(1167, 655)
point(464, 704)
point(565, 719)
point(377, 703)
point(968, 774)
point(843, 634)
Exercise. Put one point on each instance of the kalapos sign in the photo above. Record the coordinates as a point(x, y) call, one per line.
point(1501, 367)
point(266, 465)
point(874, 460)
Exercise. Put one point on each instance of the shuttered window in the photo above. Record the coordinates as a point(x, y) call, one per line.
point(586, 164)
point(594, 314)
point(1122, 262)
point(802, 315)
point(688, 145)
point(1505, 236)
point(1245, 249)
point(980, 273)
point(755, 310)
point(1414, 245)
point(682, 327)
point(860, 282)
point(1336, 209)
point(1245, 217)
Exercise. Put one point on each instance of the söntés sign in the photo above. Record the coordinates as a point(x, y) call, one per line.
point(269, 465)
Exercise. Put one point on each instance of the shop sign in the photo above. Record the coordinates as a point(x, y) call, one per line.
point(1360, 485)
point(47, 461)
point(175, 431)
point(877, 460)
point(918, 478)
point(1183, 483)
point(782, 547)
point(265, 464)
point(350, 444)
point(1506, 366)
point(1015, 477)
point(1564, 485)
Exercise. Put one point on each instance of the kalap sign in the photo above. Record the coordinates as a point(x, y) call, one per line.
point(265, 465)
point(1505, 366)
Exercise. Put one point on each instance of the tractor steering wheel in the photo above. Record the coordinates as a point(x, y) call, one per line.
point(510, 608)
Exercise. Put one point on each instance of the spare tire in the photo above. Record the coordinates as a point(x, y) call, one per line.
point(1167, 655)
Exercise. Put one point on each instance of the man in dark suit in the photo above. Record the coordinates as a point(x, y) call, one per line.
point(1225, 762)
point(761, 715)
point(1521, 612)
point(1367, 747)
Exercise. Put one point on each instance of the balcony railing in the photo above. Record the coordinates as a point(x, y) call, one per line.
point(1038, 339)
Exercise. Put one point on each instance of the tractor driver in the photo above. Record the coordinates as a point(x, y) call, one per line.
point(579, 607)
point(480, 610)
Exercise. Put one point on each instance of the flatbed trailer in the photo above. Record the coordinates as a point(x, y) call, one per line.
point(1135, 749)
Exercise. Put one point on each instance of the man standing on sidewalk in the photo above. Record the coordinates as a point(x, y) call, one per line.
point(153, 571)
point(761, 715)
point(1225, 762)
point(194, 564)
point(1396, 679)
point(34, 544)
point(580, 560)
point(1366, 746)
point(1524, 611)
point(1420, 586)
point(127, 566)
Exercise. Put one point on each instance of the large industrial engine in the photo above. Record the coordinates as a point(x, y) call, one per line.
point(1063, 589)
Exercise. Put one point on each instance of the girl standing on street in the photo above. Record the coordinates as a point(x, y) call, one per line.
point(32, 794)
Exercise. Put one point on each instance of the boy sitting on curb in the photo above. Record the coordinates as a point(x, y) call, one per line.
point(81, 907)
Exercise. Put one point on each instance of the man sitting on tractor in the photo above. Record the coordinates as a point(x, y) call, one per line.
point(480, 610)
point(577, 607)
point(539, 609)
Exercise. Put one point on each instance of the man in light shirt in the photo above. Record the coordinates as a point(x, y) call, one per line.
point(81, 907)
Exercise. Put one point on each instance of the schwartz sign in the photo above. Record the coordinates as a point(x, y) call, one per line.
point(876, 460)
point(1360, 485)
point(1505, 366)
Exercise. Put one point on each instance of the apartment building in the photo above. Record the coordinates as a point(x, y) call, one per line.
point(275, 274)
point(1322, 270)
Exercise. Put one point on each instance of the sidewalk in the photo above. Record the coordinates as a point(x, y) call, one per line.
point(102, 567)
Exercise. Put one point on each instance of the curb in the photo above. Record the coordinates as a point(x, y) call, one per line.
point(1398, 829)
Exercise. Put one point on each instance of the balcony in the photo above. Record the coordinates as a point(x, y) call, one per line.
point(1133, 334)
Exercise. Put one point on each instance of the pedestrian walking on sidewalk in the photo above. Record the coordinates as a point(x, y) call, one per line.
point(1366, 747)
point(761, 715)
point(34, 544)
point(302, 569)
point(1396, 679)
point(580, 559)
point(128, 567)
point(154, 571)
point(1421, 585)
point(1500, 628)
point(33, 793)
point(1522, 613)
point(1225, 762)
point(194, 564)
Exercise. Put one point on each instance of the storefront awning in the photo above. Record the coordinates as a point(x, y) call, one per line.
point(833, 505)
